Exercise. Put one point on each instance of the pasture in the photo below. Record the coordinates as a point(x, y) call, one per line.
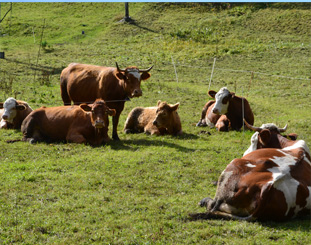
point(141, 189)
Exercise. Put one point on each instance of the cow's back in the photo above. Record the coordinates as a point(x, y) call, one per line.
point(83, 83)
point(53, 123)
point(139, 118)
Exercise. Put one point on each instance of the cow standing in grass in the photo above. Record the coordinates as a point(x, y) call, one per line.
point(159, 120)
point(265, 184)
point(87, 123)
point(13, 112)
point(226, 112)
point(82, 83)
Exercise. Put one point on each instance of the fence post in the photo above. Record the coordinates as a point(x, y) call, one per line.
point(175, 69)
point(250, 82)
point(210, 81)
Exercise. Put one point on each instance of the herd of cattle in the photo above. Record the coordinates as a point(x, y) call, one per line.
point(272, 181)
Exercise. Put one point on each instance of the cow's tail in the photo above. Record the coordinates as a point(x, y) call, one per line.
point(219, 215)
point(63, 89)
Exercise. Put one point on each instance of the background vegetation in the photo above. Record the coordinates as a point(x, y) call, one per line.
point(141, 189)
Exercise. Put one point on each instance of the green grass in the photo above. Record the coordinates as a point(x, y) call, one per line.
point(140, 190)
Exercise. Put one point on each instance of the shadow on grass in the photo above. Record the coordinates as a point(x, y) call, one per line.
point(299, 223)
point(134, 144)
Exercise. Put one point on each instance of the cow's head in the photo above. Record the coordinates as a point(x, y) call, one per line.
point(99, 113)
point(132, 77)
point(267, 136)
point(164, 114)
point(222, 98)
point(11, 107)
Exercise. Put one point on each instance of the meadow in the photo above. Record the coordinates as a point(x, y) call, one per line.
point(141, 189)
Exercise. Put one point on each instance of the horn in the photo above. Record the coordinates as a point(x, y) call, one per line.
point(119, 70)
point(147, 70)
point(251, 126)
point(283, 129)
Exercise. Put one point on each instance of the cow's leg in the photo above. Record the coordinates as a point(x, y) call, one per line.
point(115, 121)
point(76, 138)
point(205, 201)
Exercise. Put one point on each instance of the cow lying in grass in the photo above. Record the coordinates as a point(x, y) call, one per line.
point(265, 184)
point(13, 112)
point(87, 123)
point(159, 120)
point(226, 112)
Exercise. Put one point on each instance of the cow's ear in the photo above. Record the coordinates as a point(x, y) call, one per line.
point(159, 102)
point(145, 75)
point(175, 107)
point(212, 93)
point(111, 112)
point(120, 75)
point(20, 107)
point(291, 136)
point(265, 136)
point(1, 105)
point(85, 107)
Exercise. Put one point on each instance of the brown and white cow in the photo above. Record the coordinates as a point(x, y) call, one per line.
point(159, 120)
point(226, 111)
point(83, 83)
point(265, 184)
point(13, 112)
point(87, 123)
point(268, 136)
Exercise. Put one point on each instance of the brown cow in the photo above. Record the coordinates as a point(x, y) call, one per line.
point(13, 112)
point(87, 123)
point(82, 83)
point(265, 184)
point(159, 120)
point(226, 112)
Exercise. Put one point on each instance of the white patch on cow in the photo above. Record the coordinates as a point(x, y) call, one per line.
point(3, 124)
point(135, 73)
point(299, 144)
point(250, 165)
point(221, 94)
point(282, 179)
point(209, 123)
point(9, 109)
point(253, 146)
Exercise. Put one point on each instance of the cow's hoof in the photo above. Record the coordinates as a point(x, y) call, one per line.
point(205, 201)
point(199, 124)
point(32, 141)
point(116, 138)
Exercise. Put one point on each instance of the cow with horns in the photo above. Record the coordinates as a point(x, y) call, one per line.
point(83, 83)
point(226, 111)
point(13, 112)
point(265, 184)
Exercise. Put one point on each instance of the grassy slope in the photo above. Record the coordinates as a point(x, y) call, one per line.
point(141, 189)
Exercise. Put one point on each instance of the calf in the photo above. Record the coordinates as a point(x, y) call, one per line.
point(13, 112)
point(226, 103)
point(87, 123)
point(265, 184)
point(159, 120)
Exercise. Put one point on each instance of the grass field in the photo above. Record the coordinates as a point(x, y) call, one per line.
point(140, 190)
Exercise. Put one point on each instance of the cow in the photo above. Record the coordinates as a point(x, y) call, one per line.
point(265, 184)
point(83, 83)
point(226, 111)
point(268, 136)
point(86, 123)
point(13, 112)
point(159, 120)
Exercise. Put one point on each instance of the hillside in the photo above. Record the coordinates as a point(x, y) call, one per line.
point(141, 189)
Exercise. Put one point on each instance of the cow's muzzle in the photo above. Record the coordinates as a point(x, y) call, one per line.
point(216, 111)
point(137, 93)
point(99, 124)
point(5, 117)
